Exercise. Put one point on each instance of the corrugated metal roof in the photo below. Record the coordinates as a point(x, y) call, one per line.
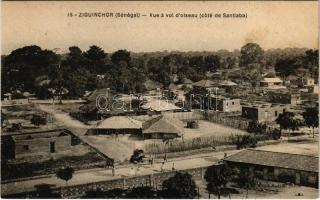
point(276, 159)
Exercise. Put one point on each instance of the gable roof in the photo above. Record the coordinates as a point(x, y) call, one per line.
point(163, 124)
point(276, 159)
point(120, 122)
point(204, 83)
point(228, 83)
point(272, 80)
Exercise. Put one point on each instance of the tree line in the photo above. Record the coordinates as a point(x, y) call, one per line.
point(42, 71)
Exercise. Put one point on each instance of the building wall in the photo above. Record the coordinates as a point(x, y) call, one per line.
point(153, 180)
point(263, 113)
point(225, 105)
point(275, 173)
point(232, 105)
point(41, 145)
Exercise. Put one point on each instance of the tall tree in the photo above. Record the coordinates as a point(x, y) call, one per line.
point(121, 55)
point(311, 117)
point(217, 177)
point(288, 120)
point(22, 66)
point(251, 53)
point(246, 179)
point(212, 62)
point(181, 185)
point(96, 57)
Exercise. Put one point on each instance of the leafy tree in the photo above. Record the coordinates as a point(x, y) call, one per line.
point(96, 58)
point(65, 174)
point(137, 156)
point(244, 141)
point(311, 118)
point(121, 55)
point(180, 186)
point(287, 120)
point(22, 66)
point(251, 53)
point(212, 62)
point(197, 63)
point(38, 120)
point(245, 179)
point(312, 62)
point(217, 177)
point(256, 127)
point(285, 67)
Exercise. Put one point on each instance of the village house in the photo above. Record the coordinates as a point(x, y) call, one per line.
point(224, 104)
point(117, 125)
point(263, 112)
point(272, 83)
point(206, 84)
point(313, 89)
point(284, 97)
point(37, 143)
point(162, 127)
point(305, 81)
point(229, 86)
point(276, 166)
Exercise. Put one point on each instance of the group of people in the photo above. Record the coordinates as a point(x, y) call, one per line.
point(110, 163)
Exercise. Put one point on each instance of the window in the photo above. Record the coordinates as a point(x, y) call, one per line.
point(26, 147)
point(233, 103)
point(275, 113)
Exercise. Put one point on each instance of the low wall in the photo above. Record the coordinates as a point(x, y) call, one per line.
point(153, 180)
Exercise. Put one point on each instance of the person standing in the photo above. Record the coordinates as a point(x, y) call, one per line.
point(162, 166)
point(113, 171)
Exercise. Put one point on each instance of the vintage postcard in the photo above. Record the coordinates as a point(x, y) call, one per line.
point(159, 99)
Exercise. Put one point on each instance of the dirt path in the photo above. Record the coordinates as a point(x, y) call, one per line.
point(103, 145)
point(98, 174)
point(63, 117)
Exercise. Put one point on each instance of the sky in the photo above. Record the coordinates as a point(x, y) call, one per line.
point(275, 24)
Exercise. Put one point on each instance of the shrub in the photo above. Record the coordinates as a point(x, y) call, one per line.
point(38, 120)
point(137, 156)
point(181, 185)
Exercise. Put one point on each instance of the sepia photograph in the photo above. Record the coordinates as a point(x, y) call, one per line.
point(159, 100)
